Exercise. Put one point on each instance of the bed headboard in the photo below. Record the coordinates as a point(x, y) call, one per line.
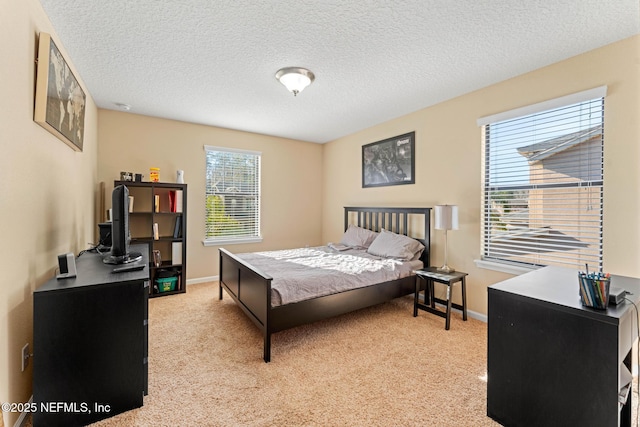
point(392, 219)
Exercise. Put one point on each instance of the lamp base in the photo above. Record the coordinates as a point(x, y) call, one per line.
point(446, 269)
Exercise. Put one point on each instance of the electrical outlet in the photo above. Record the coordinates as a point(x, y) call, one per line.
point(25, 356)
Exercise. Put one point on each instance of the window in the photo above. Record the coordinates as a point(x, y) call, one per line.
point(543, 183)
point(232, 196)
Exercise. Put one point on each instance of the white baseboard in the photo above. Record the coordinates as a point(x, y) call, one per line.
point(202, 280)
point(474, 314)
point(478, 316)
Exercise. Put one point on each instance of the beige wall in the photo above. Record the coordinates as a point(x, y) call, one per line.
point(291, 178)
point(47, 192)
point(448, 160)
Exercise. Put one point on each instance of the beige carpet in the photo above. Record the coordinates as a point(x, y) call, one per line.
point(378, 366)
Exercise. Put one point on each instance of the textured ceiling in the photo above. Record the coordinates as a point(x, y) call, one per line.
point(213, 61)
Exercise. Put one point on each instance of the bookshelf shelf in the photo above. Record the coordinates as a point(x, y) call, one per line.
point(164, 204)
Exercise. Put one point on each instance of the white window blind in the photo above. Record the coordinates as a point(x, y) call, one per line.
point(543, 187)
point(232, 196)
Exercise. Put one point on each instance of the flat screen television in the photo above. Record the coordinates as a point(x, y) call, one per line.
point(120, 236)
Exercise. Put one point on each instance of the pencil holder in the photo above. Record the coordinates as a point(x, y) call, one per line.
point(594, 290)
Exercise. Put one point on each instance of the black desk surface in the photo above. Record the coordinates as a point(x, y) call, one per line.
point(559, 285)
point(92, 271)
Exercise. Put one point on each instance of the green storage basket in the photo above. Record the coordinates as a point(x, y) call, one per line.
point(167, 284)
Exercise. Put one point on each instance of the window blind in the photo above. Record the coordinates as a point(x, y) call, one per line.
point(543, 187)
point(232, 195)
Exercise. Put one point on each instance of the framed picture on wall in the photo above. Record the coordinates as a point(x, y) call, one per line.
point(389, 162)
point(60, 101)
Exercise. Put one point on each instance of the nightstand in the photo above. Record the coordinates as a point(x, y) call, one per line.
point(431, 275)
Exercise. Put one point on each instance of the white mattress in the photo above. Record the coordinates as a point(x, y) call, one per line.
point(306, 273)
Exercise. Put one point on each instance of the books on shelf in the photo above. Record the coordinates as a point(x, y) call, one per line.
point(176, 253)
point(179, 201)
point(172, 201)
point(177, 228)
point(175, 201)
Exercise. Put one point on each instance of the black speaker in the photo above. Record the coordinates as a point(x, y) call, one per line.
point(67, 266)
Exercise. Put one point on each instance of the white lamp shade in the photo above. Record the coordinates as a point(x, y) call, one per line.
point(295, 78)
point(446, 217)
point(295, 82)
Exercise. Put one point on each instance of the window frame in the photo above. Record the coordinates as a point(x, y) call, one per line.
point(257, 232)
point(518, 267)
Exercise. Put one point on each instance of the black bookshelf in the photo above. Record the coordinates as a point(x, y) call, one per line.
point(152, 204)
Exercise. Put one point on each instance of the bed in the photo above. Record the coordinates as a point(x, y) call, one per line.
point(252, 288)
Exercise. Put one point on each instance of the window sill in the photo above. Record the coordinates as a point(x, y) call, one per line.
point(503, 267)
point(220, 242)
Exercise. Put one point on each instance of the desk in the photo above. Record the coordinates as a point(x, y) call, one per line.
point(431, 275)
point(90, 343)
point(553, 362)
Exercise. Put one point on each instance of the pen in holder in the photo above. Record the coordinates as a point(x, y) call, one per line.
point(594, 290)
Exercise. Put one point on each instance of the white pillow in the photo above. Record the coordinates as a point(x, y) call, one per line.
point(393, 245)
point(358, 236)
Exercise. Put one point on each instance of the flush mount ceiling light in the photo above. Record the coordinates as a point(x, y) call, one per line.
point(122, 106)
point(295, 78)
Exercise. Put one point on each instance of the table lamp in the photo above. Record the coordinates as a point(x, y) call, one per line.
point(446, 219)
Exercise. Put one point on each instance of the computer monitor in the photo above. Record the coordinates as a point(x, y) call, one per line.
point(120, 236)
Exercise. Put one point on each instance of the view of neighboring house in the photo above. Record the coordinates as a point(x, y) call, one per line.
point(541, 219)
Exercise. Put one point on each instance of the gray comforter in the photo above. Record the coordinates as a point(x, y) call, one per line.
point(305, 273)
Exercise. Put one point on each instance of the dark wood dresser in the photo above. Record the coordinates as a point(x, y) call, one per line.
point(553, 362)
point(90, 343)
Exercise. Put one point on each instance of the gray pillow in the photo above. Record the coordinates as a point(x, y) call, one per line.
point(392, 245)
point(358, 237)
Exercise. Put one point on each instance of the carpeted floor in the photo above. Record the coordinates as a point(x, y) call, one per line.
point(378, 366)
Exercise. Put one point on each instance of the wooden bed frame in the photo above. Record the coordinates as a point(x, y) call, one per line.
point(251, 288)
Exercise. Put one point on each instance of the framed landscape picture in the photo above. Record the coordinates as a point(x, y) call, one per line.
point(389, 162)
point(60, 101)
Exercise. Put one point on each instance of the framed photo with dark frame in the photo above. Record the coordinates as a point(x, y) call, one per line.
point(389, 162)
point(60, 101)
